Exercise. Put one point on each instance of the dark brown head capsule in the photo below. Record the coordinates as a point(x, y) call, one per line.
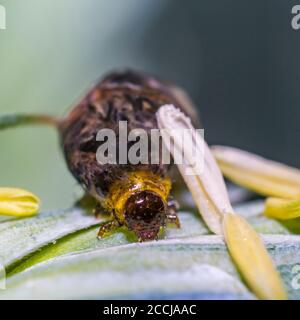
point(146, 214)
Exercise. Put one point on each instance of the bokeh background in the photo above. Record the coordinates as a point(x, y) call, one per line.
point(239, 61)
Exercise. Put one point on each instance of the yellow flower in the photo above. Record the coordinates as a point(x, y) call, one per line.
point(277, 181)
point(18, 202)
point(210, 195)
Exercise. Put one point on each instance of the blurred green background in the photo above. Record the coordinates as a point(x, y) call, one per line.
point(50, 54)
point(238, 59)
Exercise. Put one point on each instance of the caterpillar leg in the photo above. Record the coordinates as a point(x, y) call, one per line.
point(172, 216)
point(107, 228)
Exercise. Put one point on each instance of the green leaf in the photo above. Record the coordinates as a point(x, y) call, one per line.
point(20, 237)
point(164, 268)
point(87, 240)
point(57, 255)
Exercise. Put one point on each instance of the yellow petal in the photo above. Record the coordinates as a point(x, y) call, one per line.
point(256, 173)
point(207, 186)
point(282, 209)
point(252, 259)
point(18, 202)
point(210, 195)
